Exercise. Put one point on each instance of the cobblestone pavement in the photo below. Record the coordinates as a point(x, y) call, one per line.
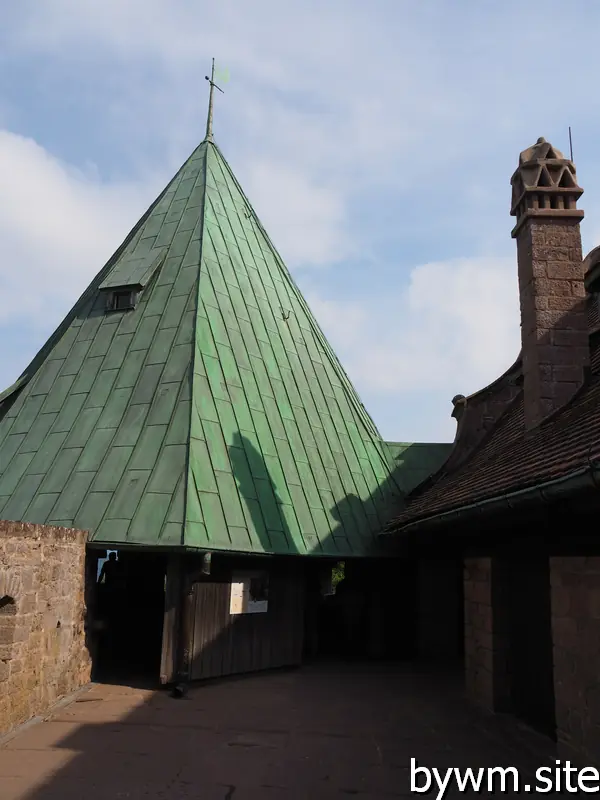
point(316, 733)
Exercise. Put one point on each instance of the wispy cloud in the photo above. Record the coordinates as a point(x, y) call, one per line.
point(58, 225)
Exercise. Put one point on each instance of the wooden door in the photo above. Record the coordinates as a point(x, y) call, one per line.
point(226, 644)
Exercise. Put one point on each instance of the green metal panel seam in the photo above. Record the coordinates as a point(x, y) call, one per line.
point(335, 363)
point(18, 384)
point(64, 327)
point(180, 326)
point(243, 389)
point(222, 161)
point(119, 427)
point(359, 411)
point(86, 295)
point(60, 410)
point(117, 430)
point(298, 297)
point(285, 366)
point(186, 474)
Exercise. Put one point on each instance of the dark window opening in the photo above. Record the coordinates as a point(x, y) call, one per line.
point(122, 300)
point(8, 611)
point(7, 606)
point(259, 588)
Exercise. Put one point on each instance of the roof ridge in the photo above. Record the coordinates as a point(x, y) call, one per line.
point(201, 219)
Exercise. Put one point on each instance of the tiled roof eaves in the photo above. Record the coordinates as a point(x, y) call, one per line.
point(559, 447)
point(578, 480)
point(504, 421)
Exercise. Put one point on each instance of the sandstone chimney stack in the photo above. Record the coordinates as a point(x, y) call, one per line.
point(554, 333)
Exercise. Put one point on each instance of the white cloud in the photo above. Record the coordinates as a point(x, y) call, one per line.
point(452, 330)
point(58, 226)
point(309, 219)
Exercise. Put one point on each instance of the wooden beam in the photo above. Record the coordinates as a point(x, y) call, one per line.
point(168, 660)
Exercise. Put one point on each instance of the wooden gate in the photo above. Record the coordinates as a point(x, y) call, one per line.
point(225, 644)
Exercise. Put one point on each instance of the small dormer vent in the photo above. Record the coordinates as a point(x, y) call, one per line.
point(129, 277)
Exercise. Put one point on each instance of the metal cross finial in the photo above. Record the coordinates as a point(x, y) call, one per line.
point(213, 86)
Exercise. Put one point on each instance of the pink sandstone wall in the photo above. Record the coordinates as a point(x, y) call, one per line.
point(575, 583)
point(43, 654)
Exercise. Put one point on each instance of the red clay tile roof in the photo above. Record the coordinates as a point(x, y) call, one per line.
point(510, 458)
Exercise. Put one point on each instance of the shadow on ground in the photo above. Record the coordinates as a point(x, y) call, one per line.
point(319, 732)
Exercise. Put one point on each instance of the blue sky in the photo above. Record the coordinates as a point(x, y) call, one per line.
point(375, 141)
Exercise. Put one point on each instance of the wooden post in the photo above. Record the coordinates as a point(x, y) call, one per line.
point(187, 630)
point(185, 625)
point(168, 661)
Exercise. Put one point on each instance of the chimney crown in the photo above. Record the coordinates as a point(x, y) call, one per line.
point(544, 185)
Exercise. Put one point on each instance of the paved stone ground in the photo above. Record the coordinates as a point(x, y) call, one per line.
point(316, 733)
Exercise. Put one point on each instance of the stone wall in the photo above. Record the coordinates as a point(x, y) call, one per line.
point(486, 633)
point(575, 583)
point(554, 328)
point(43, 654)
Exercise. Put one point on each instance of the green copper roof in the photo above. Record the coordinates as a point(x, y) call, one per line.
point(415, 462)
point(214, 415)
point(132, 271)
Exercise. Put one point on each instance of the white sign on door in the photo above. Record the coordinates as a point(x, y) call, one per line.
point(249, 593)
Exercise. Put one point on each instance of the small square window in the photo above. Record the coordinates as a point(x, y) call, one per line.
point(121, 300)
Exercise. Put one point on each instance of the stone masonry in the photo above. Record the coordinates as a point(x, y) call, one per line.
point(575, 583)
point(554, 324)
point(554, 329)
point(486, 634)
point(43, 654)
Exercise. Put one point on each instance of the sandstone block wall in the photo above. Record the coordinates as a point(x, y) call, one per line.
point(575, 586)
point(554, 328)
point(486, 633)
point(43, 653)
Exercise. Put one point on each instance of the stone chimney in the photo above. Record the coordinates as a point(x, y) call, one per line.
point(554, 333)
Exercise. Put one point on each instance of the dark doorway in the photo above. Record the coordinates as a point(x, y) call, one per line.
point(532, 684)
point(360, 609)
point(440, 609)
point(129, 614)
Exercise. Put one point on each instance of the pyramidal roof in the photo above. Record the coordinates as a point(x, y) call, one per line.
point(189, 399)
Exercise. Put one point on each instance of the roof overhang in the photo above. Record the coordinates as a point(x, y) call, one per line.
point(579, 481)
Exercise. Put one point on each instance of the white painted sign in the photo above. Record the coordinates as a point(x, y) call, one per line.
point(249, 593)
point(236, 604)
